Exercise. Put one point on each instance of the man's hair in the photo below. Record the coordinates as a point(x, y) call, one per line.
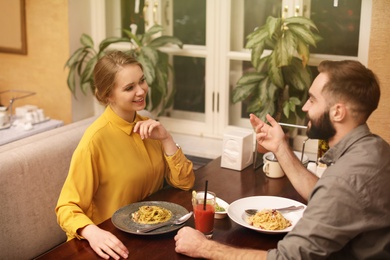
point(105, 72)
point(352, 83)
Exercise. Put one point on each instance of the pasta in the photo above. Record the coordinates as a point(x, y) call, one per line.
point(269, 219)
point(151, 215)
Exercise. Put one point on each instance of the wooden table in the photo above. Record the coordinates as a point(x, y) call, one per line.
point(229, 185)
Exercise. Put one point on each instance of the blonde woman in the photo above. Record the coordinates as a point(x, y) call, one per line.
point(122, 158)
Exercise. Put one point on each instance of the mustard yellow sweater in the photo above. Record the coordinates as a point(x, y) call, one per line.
point(113, 167)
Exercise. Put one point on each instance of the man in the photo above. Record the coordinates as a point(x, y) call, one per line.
point(348, 211)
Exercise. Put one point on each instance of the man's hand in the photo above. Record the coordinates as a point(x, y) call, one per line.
point(191, 242)
point(194, 244)
point(104, 243)
point(271, 137)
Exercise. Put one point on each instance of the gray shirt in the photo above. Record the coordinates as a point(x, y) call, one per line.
point(348, 212)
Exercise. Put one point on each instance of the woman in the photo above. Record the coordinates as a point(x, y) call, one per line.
point(122, 158)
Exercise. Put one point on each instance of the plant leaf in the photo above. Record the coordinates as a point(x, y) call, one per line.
point(156, 28)
point(303, 33)
point(71, 80)
point(155, 95)
point(148, 69)
point(87, 75)
point(75, 57)
point(254, 105)
point(249, 78)
point(85, 86)
point(268, 108)
point(151, 54)
point(240, 93)
point(148, 35)
point(257, 51)
point(303, 51)
point(275, 73)
point(108, 41)
point(286, 109)
point(164, 40)
point(273, 24)
point(256, 37)
point(285, 49)
point(297, 76)
point(86, 41)
point(133, 37)
point(300, 20)
point(295, 101)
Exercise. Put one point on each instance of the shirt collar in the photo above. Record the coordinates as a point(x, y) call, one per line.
point(334, 153)
point(119, 122)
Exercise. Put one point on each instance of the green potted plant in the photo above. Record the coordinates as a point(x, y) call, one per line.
point(144, 47)
point(279, 83)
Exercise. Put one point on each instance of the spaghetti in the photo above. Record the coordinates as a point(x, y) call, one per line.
point(269, 219)
point(151, 215)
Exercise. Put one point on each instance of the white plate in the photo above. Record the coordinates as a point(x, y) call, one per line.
point(297, 154)
point(236, 211)
point(223, 204)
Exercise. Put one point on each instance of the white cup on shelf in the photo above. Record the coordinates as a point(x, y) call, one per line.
point(2, 119)
point(41, 115)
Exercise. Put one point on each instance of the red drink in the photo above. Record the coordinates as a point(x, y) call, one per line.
point(204, 219)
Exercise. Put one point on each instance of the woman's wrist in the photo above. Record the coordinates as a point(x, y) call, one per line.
point(169, 146)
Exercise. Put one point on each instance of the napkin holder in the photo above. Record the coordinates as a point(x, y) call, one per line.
point(237, 150)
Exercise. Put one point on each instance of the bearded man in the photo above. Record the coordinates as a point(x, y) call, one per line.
point(348, 210)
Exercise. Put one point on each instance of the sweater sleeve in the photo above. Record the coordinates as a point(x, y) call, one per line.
point(75, 198)
point(180, 173)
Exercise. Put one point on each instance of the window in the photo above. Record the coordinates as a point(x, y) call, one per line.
point(214, 57)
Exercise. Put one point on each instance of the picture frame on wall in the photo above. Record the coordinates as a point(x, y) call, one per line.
point(13, 26)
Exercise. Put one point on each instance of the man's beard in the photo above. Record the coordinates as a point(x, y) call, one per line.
point(321, 128)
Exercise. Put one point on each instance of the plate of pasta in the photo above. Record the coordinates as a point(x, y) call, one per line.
point(145, 214)
point(267, 220)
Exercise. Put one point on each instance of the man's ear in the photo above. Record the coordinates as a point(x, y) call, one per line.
point(338, 112)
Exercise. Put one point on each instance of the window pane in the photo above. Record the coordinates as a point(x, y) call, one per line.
point(237, 112)
point(338, 26)
point(131, 15)
point(190, 84)
point(190, 21)
point(247, 15)
point(257, 11)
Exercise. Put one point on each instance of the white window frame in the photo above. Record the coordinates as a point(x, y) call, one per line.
point(218, 57)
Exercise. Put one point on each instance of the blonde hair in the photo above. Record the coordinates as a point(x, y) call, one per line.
point(105, 72)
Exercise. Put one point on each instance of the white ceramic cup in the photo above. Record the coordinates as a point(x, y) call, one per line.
point(272, 168)
point(3, 119)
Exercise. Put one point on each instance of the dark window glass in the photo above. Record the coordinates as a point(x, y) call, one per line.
point(257, 11)
point(338, 26)
point(190, 84)
point(130, 17)
point(190, 21)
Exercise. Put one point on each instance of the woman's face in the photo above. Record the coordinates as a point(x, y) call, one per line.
point(129, 92)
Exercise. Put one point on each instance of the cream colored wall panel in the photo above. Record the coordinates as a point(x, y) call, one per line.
point(379, 62)
point(42, 69)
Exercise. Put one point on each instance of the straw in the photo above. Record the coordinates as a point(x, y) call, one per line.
point(205, 195)
point(291, 125)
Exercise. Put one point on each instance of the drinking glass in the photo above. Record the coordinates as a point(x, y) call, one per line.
point(204, 212)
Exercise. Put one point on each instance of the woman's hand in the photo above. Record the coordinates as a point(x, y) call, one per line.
point(155, 130)
point(104, 243)
point(151, 129)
